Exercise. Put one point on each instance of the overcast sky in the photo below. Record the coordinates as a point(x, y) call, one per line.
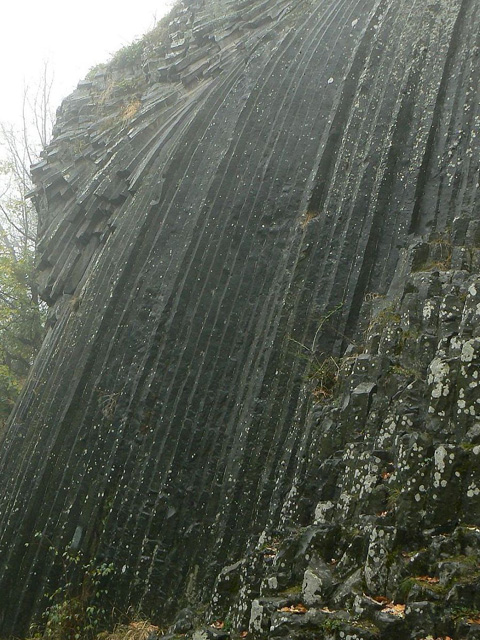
point(72, 36)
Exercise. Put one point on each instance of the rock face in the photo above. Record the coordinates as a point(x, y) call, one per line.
point(260, 245)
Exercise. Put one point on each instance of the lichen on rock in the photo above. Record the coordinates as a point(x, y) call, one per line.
point(258, 399)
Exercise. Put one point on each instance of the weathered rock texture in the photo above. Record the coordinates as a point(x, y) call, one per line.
point(256, 186)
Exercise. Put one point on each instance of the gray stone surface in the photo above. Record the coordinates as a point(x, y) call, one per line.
point(260, 246)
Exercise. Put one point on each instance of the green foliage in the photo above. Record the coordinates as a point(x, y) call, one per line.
point(21, 321)
point(365, 625)
point(459, 613)
point(407, 372)
point(404, 589)
point(159, 34)
point(295, 590)
point(129, 55)
point(93, 71)
point(71, 616)
point(21, 314)
point(78, 607)
point(332, 624)
point(393, 497)
point(426, 585)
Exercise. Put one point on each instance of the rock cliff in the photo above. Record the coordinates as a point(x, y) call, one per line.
point(259, 241)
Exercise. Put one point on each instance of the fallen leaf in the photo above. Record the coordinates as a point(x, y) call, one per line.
point(244, 634)
point(381, 599)
point(327, 610)
point(428, 579)
point(395, 609)
point(371, 599)
point(218, 624)
point(297, 608)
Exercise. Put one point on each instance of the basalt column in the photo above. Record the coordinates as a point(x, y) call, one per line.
point(209, 197)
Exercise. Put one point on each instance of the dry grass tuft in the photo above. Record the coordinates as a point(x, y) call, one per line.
point(308, 216)
point(140, 630)
point(131, 110)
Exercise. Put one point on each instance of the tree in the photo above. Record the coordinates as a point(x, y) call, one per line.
point(21, 312)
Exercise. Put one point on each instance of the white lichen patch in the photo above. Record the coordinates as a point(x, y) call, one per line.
point(428, 309)
point(444, 458)
point(438, 377)
point(311, 587)
point(455, 344)
point(375, 570)
point(323, 511)
point(256, 617)
point(386, 432)
point(441, 455)
point(272, 583)
point(473, 490)
point(468, 351)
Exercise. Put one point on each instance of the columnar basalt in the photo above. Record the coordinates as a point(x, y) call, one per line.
point(392, 546)
point(220, 207)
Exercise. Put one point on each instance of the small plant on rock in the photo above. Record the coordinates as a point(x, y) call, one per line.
point(79, 611)
point(332, 624)
point(78, 607)
point(324, 372)
point(131, 109)
point(128, 55)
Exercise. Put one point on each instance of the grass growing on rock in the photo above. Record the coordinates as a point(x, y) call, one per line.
point(139, 630)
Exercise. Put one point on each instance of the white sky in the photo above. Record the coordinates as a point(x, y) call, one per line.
point(71, 35)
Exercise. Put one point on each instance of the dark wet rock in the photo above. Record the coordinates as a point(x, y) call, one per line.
point(209, 633)
point(184, 621)
point(260, 383)
point(317, 583)
point(390, 626)
point(424, 618)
